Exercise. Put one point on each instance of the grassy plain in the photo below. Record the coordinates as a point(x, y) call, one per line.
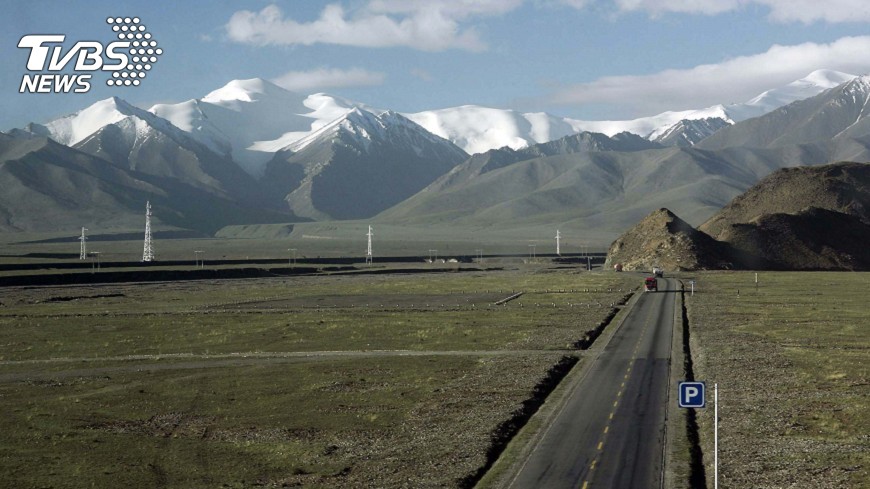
point(330, 381)
point(792, 361)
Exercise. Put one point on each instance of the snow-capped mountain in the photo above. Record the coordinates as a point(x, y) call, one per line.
point(690, 132)
point(809, 86)
point(141, 141)
point(322, 157)
point(48, 186)
point(477, 129)
point(839, 117)
point(611, 190)
point(358, 165)
point(71, 129)
point(252, 119)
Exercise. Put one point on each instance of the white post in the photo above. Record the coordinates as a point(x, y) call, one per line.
point(369, 248)
point(693, 288)
point(715, 436)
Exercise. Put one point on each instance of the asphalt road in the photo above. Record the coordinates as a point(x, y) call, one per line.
point(610, 431)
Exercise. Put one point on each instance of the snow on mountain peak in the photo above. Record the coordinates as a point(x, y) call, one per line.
point(360, 127)
point(252, 119)
point(826, 78)
point(809, 86)
point(245, 91)
point(71, 129)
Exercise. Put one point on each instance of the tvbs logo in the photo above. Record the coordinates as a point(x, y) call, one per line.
point(54, 69)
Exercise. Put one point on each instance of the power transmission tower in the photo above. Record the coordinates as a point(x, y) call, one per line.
point(148, 252)
point(558, 237)
point(369, 249)
point(83, 254)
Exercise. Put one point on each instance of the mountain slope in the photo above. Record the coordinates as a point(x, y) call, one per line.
point(835, 114)
point(809, 239)
point(250, 120)
point(842, 187)
point(664, 240)
point(800, 219)
point(146, 143)
point(603, 190)
point(481, 163)
point(51, 187)
point(477, 129)
point(358, 166)
point(690, 132)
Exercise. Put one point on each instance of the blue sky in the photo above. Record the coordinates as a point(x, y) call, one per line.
point(585, 59)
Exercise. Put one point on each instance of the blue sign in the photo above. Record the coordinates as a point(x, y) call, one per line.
point(692, 395)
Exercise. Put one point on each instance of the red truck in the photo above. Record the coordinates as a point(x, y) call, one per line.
point(651, 284)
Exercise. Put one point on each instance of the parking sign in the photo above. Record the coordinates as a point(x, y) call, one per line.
point(692, 395)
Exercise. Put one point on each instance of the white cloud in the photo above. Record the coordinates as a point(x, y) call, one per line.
point(733, 80)
point(456, 9)
point(301, 81)
point(806, 11)
point(423, 25)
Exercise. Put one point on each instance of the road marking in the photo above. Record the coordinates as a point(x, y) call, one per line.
point(619, 395)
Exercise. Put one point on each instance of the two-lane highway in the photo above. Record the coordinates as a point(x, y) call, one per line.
point(610, 431)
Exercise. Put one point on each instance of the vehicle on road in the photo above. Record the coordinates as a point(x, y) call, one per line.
point(658, 272)
point(651, 284)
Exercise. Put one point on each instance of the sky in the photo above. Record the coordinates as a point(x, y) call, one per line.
point(584, 59)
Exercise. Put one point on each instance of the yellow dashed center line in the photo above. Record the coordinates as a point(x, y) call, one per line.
point(618, 395)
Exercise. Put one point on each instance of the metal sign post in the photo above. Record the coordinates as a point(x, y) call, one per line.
point(715, 436)
point(692, 395)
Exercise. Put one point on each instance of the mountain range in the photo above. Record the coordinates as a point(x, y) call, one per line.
point(275, 156)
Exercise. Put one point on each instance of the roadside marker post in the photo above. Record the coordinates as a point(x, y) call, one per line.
point(693, 286)
point(692, 395)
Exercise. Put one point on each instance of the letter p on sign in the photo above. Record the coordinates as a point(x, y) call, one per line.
point(692, 395)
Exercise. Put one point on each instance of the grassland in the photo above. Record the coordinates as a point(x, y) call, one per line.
point(792, 361)
point(351, 381)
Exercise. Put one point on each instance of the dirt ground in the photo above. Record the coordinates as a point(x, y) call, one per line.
point(792, 363)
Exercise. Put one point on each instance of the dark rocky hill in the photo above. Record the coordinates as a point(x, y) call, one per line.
point(806, 218)
point(811, 239)
point(662, 239)
point(840, 187)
